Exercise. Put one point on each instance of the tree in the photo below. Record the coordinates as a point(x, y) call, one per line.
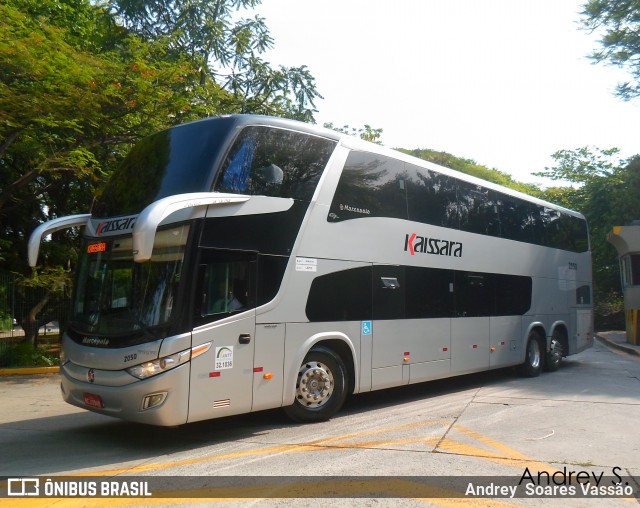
point(75, 92)
point(619, 23)
point(225, 51)
point(367, 132)
point(53, 289)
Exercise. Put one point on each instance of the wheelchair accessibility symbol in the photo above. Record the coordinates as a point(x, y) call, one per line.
point(366, 328)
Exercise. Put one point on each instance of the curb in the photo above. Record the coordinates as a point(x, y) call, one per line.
point(29, 371)
point(622, 347)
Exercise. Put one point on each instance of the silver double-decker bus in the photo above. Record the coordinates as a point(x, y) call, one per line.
point(242, 263)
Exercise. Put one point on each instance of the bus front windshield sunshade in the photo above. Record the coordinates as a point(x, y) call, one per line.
point(114, 295)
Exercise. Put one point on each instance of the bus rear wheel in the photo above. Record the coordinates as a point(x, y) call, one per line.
point(534, 359)
point(554, 356)
point(321, 387)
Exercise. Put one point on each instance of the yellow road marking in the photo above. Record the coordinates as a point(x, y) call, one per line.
point(390, 487)
point(513, 457)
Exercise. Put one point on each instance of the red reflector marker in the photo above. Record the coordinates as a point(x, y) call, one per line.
point(214, 374)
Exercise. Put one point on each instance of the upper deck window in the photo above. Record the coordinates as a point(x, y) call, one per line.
point(373, 185)
point(187, 158)
point(174, 161)
point(275, 162)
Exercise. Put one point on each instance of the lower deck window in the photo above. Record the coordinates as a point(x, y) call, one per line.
point(409, 292)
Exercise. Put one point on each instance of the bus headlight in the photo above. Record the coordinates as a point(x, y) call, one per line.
point(155, 367)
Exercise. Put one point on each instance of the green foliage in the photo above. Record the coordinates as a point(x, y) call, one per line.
point(76, 91)
point(367, 132)
point(54, 286)
point(618, 22)
point(6, 322)
point(609, 311)
point(82, 81)
point(54, 279)
point(225, 50)
point(25, 354)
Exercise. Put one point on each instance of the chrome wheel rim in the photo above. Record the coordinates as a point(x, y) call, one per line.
point(533, 354)
point(315, 384)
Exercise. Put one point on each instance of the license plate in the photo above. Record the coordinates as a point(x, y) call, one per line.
point(93, 400)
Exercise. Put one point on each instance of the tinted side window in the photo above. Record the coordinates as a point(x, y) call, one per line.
point(583, 295)
point(516, 218)
point(429, 292)
point(341, 296)
point(567, 232)
point(473, 293)
point(275, 162)
point(388, 292)
point(478, 209)
point(432, 198)
point(377, 186)
point(409, 292)
point(174, 161)
point(226, 285)
point(635, 269)
point(527, 222)
point(492, 294)
point(270, 273)
point(511, 295)
point(370, 186)
point(579, 233)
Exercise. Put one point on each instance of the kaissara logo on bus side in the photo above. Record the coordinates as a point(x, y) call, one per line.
point(424, 245)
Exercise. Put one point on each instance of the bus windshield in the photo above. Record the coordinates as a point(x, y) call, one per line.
point(116, 296)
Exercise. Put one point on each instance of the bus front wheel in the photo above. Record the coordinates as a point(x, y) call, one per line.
point(533, 360)
point(321, 387)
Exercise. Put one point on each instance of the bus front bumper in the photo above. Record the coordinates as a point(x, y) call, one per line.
point(159, 400)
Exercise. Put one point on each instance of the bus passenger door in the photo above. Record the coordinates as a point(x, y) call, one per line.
point(223, 339)
point(470, 329)
point(391, 339)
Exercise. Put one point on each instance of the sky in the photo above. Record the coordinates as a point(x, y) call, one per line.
point(506, 83)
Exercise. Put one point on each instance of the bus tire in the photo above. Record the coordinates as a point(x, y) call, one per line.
point(321, 387)
point(533, 358)
point(554, 355)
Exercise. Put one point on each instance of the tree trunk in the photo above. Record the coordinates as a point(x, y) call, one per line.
point(31, 324)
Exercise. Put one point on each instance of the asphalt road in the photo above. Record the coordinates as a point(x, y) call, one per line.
point(382, 447)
